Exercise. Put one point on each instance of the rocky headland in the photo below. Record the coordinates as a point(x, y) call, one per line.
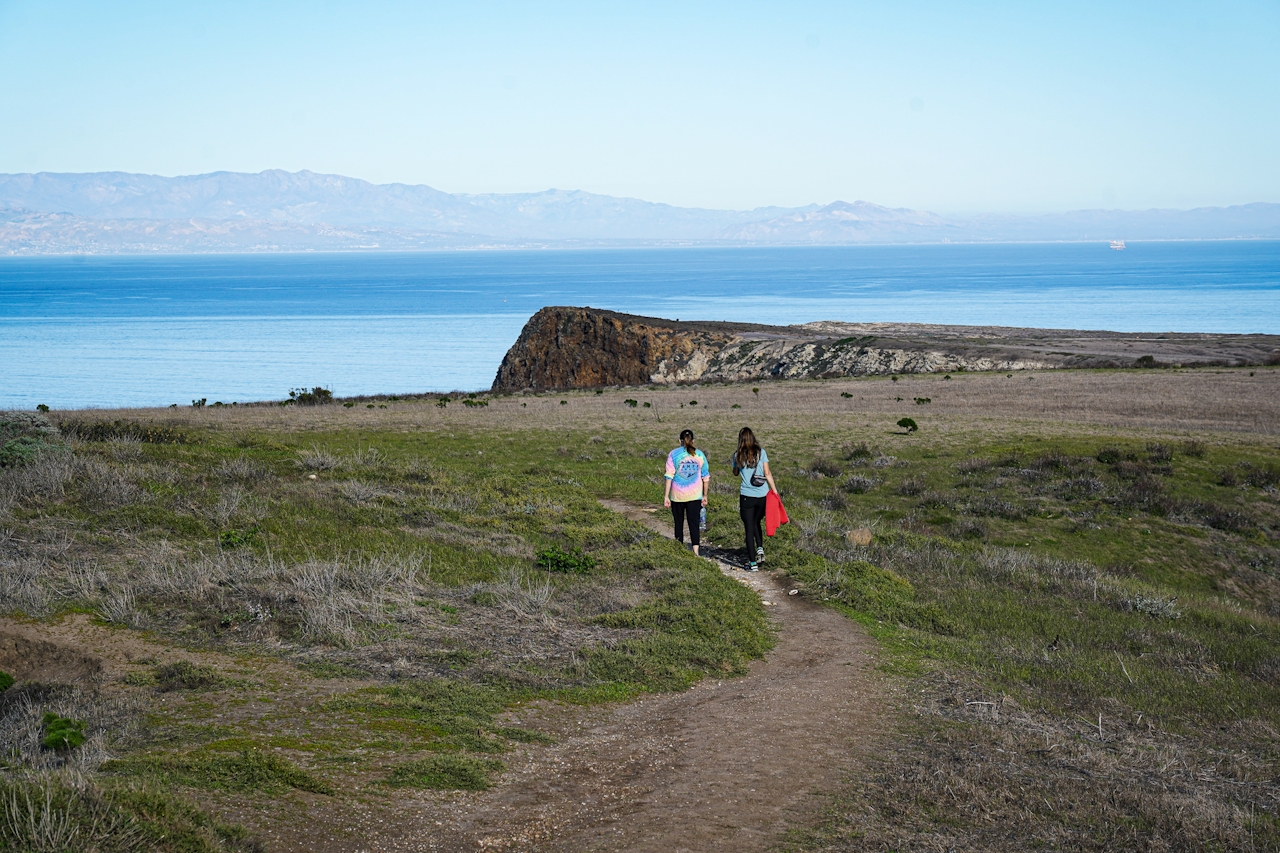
point(565, 347)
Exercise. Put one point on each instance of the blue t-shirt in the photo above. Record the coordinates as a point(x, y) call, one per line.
point(746, 488)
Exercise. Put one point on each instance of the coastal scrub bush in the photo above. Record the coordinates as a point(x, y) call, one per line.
point(630, 402)
point(908, 424)
point(19, 451)
point(857, 451)
point(1193, 448)
point(6, 681)
point(472, 404)
point(317, 396)
point(18, 424)
point(825, 467)
point(119, 430)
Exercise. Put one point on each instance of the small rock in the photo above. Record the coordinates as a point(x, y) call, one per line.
point(768, 604)
point(793, 592)
point(860, 536)
point(311, 476)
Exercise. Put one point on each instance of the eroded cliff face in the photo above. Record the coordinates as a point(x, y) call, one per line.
point(564, 348)
point(586, 348)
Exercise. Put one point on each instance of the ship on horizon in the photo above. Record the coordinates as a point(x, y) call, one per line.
point(1118, 245)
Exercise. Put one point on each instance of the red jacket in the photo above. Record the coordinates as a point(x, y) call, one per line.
point(775, 514)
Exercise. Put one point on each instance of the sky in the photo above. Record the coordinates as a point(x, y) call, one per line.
point(950, 107)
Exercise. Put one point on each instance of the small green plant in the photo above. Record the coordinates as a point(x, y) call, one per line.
point(554, 559)
point(908, 424)
point(440, 401)
point(6, 681)
point(348, 404)
point(735, 406)
point(693, 402)
point(647, 405)
point(62, 733)
point(448, 772)
point(947, 377)
point(846, 395)
point(370, 406)
point(1146, 361)
point(43, 408)
point(599, 391)
point(630, 402)
point(472, 403)
point(199, 404)
point(755, 390)
point(229, 539)
point(893, 378)
point(920, 401)
point(564, 402)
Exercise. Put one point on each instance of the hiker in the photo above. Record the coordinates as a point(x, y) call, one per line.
point(751, 463)
point(688, 480)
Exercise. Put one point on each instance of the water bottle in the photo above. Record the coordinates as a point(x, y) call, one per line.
point(702, 519)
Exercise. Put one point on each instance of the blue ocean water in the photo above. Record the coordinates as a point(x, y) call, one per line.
point(134, 331)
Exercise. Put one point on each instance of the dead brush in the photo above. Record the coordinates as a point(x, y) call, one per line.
point(360, 492)
point(23, 585)
point(105, 488)
point(238, 469)
point(525, 595)
point(317, 459)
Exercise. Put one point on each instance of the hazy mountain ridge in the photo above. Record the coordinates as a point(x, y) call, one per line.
point(277, 210)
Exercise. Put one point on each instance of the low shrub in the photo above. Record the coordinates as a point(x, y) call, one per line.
point(121, 430)
point(447, 772)
point(184, 675)
point(911, 487)
point(908, 424)
point(6, 681)
point(825, 467)
point(1159, 452)
point(861, 450)
point(316, 396)
point(554, 559)
point(1193, 448)
point(858, 485)
point(250, 770)
point(62, 733)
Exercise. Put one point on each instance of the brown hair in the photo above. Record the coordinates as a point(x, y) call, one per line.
point(748, 449)
point(686, 438)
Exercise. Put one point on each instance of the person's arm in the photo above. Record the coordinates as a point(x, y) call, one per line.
point(768, 476)
point(670, 475)
point(706, 480)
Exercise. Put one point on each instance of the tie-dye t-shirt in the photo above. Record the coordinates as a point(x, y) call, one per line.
point(686, 471)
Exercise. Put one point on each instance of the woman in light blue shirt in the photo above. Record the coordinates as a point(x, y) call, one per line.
point(751, 463)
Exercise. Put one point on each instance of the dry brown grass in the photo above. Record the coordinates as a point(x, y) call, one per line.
point(1183, 402)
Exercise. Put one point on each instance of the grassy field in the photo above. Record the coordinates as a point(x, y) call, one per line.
point(1075, 577)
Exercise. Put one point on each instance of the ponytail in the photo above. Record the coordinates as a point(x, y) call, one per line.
point(686, 439)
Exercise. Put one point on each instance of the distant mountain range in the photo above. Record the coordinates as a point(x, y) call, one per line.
point(115, 212)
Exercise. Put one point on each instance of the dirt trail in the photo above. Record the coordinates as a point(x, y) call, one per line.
point(727, 765)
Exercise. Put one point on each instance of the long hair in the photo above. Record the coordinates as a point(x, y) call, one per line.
point(686, 438)
point(748, 449)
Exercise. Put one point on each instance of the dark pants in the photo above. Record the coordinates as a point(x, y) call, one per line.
point(690, 511)
point(752, 512)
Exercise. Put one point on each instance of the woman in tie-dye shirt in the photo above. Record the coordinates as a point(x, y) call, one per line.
point(688, 481)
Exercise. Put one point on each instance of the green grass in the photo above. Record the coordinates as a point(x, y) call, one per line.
point(248, 771)
point(446, 772)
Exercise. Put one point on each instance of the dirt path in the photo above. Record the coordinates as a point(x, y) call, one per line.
point(727, 765)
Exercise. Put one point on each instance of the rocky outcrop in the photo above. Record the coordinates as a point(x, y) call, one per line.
point(562, 348)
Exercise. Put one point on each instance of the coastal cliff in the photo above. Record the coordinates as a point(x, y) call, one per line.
point(564, 348)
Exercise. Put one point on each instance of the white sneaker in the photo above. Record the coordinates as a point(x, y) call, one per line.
point(759, 555)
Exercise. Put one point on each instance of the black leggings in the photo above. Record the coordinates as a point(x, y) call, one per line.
point(752, 512)
point(691, 511)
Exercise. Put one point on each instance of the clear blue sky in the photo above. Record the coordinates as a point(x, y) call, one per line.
point(941, 106)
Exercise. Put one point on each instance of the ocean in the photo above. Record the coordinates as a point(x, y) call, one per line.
point(106, 331)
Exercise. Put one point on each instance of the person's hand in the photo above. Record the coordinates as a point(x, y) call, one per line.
point(666, 501)
point(704, 500)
